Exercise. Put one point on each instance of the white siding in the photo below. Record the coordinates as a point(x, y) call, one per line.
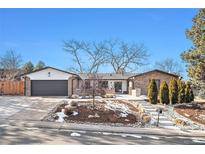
point(54, 75)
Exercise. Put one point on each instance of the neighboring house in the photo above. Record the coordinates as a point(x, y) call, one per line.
point(50, 81)
point(141, 81)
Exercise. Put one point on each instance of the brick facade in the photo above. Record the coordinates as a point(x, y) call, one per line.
point(142, 81)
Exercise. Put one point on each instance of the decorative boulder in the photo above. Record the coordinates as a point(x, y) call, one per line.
point(146, 118)
point(74, 96)
point(67, 111)
point(73, 104)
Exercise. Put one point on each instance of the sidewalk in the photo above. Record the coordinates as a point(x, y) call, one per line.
point(104, 128)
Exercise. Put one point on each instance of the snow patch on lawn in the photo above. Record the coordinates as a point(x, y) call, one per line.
point(75, 134)
point(61, 116)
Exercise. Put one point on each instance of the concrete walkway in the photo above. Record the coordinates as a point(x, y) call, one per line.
point(164, 122)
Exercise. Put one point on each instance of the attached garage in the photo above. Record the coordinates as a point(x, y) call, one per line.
point(50, 81)
point(49, 88)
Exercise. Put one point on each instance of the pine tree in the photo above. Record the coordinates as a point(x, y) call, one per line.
point(195, 56)
point(28, 67)
point(181, 91)
point(40, 65)
point(173, 91)
point(164, 93)
point(152, 92)
point(189, 95)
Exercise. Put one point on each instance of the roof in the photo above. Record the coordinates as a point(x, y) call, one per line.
point(50, 68)
point(155, 70)
point(108, 76)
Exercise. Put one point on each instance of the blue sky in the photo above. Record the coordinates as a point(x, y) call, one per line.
point(37, 34)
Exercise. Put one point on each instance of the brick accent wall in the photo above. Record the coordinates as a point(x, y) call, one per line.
point(28, 87)
point(142, 81)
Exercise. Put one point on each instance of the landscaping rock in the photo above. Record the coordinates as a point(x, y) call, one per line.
point(94, 116)
point(113, 118)
point(146, 118)
point(141, 108)
point(67, 111)
point(74, 96)
point(180, 122)
point(73, 104)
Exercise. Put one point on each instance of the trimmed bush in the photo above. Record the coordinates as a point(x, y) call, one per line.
point(152, 92)
point(189, 95)
point(164, 93)
point(181, 91)
point(173, 91)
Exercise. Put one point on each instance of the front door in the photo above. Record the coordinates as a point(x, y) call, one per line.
point(118, 87)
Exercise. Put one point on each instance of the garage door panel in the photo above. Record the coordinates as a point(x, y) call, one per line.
point(49, 87)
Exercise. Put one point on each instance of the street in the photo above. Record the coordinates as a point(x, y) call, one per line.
point(31, 135)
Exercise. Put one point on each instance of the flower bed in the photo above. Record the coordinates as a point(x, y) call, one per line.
point(103, 111)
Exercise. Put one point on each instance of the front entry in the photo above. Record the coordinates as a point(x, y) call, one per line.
point(118, 87)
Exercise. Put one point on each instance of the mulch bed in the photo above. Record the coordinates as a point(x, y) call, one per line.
point(85, 109)
point(194, 111)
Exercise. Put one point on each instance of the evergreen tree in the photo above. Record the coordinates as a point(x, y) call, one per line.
point(40, 65)
point(173, 91)
point(181, 91)
point(195, 56)
point(28, 67)
point(152, 92)
point(164, 93)
point(189, 95)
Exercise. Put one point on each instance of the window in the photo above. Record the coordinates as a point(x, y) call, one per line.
point(103, 84)
point(87, 84)
point(49, 74)
point(157, 83)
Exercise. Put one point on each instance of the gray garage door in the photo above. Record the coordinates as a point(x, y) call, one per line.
point(49, 87)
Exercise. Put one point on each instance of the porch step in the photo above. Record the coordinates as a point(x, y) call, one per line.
point(164, 122)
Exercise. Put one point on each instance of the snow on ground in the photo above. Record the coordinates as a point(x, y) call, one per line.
point(75, 134)
point(130, 97)
point(153, 137)
point(199, 141)
point(115, 106)
point(123, 115)
point(75, 113)
point(61, 116)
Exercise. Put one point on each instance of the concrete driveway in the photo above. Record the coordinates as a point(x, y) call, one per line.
point(26, 108)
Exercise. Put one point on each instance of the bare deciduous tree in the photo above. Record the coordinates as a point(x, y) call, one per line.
point(10, 63)
point(86, 54)
point(169, 65)
point(122, 56)
point(126, 57)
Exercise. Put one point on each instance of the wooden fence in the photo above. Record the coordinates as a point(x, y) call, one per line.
point(12, 88)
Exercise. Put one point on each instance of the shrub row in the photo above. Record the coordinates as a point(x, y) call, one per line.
point(177, 92)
